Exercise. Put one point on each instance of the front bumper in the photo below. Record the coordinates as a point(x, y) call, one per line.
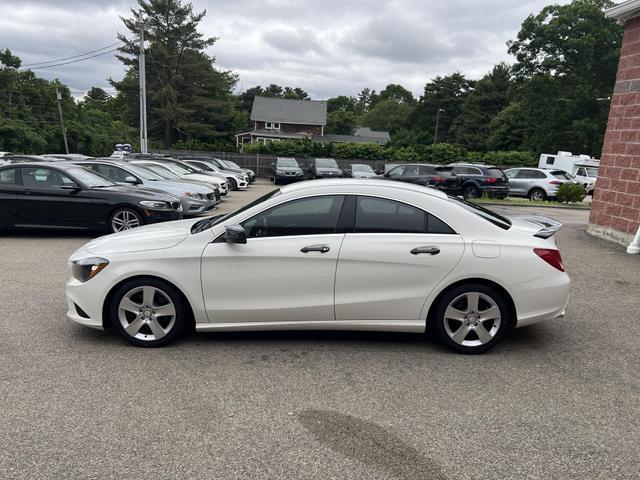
point(156, 216)
point(290, 178)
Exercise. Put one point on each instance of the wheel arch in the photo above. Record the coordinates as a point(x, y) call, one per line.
point(546, 194)
point(513, 317)
point(106, 320)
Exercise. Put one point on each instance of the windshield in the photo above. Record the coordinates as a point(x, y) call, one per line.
point(90, 178)
point(179, 169)
point(326, 163)
point(161, 171)
point(287, 162)
point(207, 223)
point(485, 213)
point(592, 171)
point(145, 173)
point(357, 167)
point(230, 164)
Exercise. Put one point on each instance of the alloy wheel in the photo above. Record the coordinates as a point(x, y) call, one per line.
point(146, 313)
point(124, 220)
point(472, 319)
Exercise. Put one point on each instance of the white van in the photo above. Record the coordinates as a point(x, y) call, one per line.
point(582, 168)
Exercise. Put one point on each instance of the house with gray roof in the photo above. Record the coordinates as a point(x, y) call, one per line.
point(276, 119)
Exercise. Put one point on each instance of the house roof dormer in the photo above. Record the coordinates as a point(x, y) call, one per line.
point(281, 110)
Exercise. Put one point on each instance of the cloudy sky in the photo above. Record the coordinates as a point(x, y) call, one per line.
point(327, 47)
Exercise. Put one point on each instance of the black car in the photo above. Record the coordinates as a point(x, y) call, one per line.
point(325, 168)
point(435, 176)
point(478, 179)
point(286, 169)
point(64, 195)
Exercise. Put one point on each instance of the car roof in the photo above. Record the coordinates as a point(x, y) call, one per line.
point(61, 165)
point(372, 182)
point(465, 164)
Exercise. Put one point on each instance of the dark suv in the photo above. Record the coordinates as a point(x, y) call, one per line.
point(286, 169)
point(478, 179)
point(325, 168)
point(436, 176)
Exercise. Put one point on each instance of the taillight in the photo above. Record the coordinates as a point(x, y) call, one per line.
point(492, 180)
point(555, 182)
point(439, 179)
point(552, 257)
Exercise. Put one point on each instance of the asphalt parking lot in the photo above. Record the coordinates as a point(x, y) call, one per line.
point(558, 400)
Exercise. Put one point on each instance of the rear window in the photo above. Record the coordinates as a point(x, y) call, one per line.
point(485, 213)
point(496, 172)
point(561, 175)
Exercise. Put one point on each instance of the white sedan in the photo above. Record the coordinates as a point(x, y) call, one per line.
point(333, 254)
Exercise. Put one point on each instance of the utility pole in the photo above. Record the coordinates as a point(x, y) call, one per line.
point(143, 89)
point(64, 130)
point(435, 136)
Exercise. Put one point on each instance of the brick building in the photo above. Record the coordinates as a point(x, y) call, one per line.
point(615, 212)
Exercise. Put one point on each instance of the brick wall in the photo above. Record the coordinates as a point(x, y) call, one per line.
point(615, 212)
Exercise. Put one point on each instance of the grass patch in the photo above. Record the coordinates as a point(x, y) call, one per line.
point(525, 202)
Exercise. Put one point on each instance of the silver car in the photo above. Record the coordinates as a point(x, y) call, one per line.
point(536, 183)
point(235, 180)
point(195, 199)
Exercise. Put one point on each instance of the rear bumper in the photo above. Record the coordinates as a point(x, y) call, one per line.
point(542, 299)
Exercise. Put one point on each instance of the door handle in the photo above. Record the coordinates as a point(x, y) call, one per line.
point(315, 248)
point(431, 250)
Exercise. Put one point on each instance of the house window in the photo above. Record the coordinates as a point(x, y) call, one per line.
point(272, 126)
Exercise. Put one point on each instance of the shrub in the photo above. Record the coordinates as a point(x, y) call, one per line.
point(570, 193)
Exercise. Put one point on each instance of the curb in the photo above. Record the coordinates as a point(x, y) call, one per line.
point(534, 206)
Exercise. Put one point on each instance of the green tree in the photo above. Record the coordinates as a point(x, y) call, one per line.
point(397, 93)
point(186, 95)
point(489, 97)
point(567, 58)
point(447, 93)
point(341, 122)
point(387, 115)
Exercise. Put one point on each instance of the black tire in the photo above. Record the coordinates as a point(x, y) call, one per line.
point(470, 191)
point(173, 328)
point(124, 213)
point(446, 328)
point(537, 194)
point(276, 180)
point(233, 185)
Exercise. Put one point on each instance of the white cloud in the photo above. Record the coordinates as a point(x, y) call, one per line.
point(328, 48)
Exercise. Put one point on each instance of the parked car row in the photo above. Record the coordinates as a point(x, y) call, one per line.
point(113, 193)
point(468, 180)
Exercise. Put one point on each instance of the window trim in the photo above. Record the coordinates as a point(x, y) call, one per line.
point(272, 125)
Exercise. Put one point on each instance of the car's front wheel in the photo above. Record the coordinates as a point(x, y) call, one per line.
point(124, 219)
point(471, 318)
point(233, 185)
point(148, 312)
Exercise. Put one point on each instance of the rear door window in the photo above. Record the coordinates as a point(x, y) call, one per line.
point(380, 215)
point(9, 176)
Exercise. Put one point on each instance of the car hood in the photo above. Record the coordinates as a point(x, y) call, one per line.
point(363, 175)
point(149, 237)
point(202, 177)
point(328, 170)
point(140, 192)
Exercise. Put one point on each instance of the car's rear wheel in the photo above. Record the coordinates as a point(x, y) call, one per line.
point(124, 219)
point(470, 191)
point(471, 318)
point(148, 312)
point(233, 185)
point(537, 195)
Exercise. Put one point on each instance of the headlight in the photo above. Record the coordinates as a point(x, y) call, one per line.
point(155, 204)
point(87, 268)
point(251, 173)
point(193, 195)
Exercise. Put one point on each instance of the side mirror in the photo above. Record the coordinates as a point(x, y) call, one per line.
point(131, 179)
point(235, 234)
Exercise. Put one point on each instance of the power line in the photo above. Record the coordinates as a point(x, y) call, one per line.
point(73, 61)
point(74, 56)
